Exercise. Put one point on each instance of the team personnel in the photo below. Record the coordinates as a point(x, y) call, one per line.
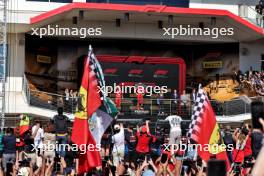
point(175, 130)
point(118, 98)
point(140, 96)
point(118, 140)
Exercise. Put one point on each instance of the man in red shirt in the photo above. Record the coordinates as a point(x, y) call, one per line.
point(144, 138)
point(140, 96)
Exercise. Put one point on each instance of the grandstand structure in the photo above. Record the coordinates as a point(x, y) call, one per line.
point(40, 67)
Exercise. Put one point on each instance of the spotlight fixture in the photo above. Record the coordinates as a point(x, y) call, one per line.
point(118, 22)
point(160, 24)
point(74, 20)
point(201, 25)
point(170, 20)
point(213, 21)
point(81, 14)
point(126, 17)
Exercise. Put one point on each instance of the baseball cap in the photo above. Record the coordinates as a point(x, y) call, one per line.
point(116, 127)
point(144, 129)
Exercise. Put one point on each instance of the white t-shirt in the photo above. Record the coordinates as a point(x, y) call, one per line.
point(39, 136)
point(119, 140)
point(175, 122)
point(49, 142)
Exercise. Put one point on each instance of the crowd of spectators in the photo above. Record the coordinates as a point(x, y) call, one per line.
point(252, 78)
point(133, 150)
point(35, 153)
point(148, 154)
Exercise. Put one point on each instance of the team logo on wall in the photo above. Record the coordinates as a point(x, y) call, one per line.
point(110, 72)
point(135, 73)
point(161, 74)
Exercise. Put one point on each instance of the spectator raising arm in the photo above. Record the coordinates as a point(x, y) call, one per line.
point(147, 126)
point(153, 166)
point(141, 168)
point(35, 130)
point(258, 168)
point(138, 130)
point(235, 134)
point(122, 127)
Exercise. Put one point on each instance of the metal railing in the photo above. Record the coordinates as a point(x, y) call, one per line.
point(129, 106)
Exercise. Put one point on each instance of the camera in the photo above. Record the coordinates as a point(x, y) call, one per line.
point(25, 162)
point(237, 169)
point(139, 161)
point(244, 131)
point(248, 163)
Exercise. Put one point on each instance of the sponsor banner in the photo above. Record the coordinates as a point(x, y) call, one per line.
point(44, 59)
point(213, 64)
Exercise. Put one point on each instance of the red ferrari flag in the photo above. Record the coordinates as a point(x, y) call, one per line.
point(205, 131)
point(89, 102)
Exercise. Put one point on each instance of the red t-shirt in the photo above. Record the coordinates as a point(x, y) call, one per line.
point(238, 156)
point(247, 149)
point(118, 95)
point(139, 96)
point(143, 142)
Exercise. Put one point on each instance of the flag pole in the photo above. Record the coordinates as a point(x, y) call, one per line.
point(184, 156)
point(188, 138)
point(88, 62)
point(88, 81)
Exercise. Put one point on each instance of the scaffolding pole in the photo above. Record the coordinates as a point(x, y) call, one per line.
point(3, 39)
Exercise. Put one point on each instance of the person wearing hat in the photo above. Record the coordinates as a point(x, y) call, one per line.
point(118, 140)
point(144, 138)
